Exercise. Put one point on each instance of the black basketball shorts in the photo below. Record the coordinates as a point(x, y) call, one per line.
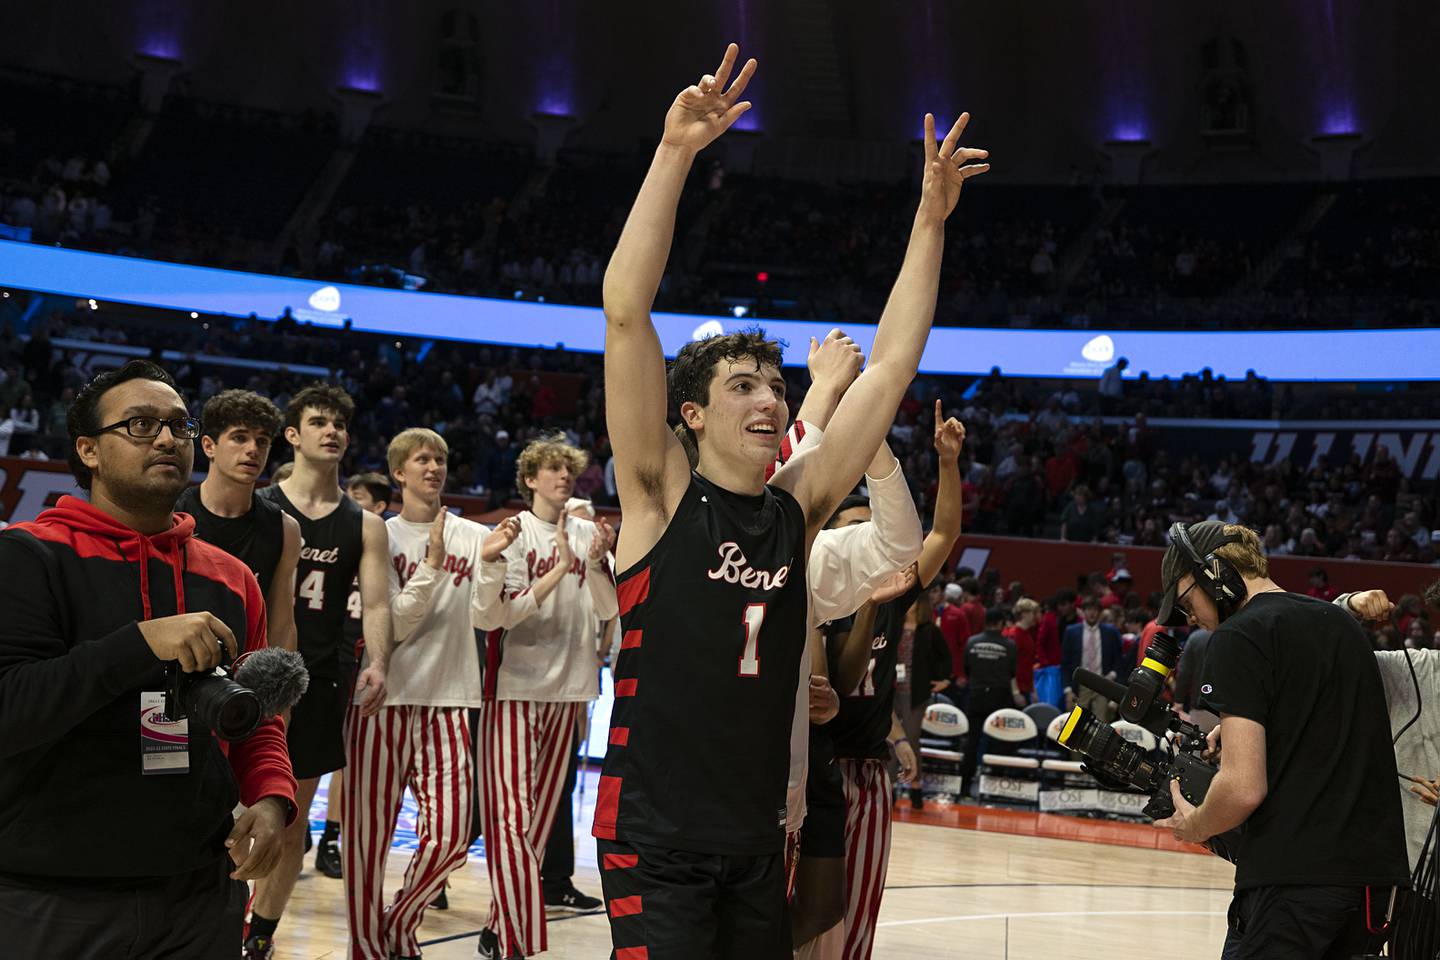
point(823, 832)
point(666, 904)
point(316, 733)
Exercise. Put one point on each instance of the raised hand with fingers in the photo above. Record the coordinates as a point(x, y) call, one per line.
point(435, 552)
point(704, 111)
point(947, 167)
point(602, 543)
point(834, 362)
point(497, 540)
point(564, 555)
point(949, 434)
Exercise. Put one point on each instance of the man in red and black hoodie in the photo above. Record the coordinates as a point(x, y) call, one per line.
point(113, 843)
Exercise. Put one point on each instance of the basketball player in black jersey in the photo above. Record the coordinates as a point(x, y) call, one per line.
point(371, 493)
point(341, 541)
point(691, 806)
point(867, 728)
point(239, 427)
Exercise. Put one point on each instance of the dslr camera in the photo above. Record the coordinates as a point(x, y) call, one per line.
point(213, 700)
point(1119, 764)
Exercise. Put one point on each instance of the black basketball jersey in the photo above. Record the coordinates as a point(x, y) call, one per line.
point(713, 627)
point(354, 629)
point(862, 727)
point(329, 563)
point(255, 538)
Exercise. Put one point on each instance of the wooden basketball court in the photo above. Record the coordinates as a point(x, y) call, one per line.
point(964, 882)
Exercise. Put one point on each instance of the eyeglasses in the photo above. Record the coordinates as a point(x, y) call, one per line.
point(1179, 606)
point(148, 428)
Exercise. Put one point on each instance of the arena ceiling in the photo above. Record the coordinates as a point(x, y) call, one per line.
point(1050, 82)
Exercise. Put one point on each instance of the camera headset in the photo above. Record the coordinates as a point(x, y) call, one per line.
point(1213, 574)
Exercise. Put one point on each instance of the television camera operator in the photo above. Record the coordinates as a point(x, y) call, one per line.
point(118, 837)
point(1305, 759)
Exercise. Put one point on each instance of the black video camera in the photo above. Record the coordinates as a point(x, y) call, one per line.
point(212, 699)
point(1119, 764)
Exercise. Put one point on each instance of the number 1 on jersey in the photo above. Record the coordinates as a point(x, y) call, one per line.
point(750, 659)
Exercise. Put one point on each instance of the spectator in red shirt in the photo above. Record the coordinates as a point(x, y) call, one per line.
point(955, 628)
point(1059, 472)
point(972, 606)
point(1147, 635)
point(1022, 632)
point(1120, 583)
point(1049, 686)
point(1320, 587)
point(958, 621)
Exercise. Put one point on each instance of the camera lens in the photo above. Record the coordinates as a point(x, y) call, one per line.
point(1108, 753)
point(224, 706)
point(1148, 679)
point(1164, 650)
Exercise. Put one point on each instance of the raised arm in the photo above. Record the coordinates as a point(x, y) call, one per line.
point(834, 363)
point(409, 604)
point(848, 564)
point(490, 572)
point(599, 574)
point(651, 469)
point(864, 415)
point(521, 598)
point(949, 505)
point(280, 596)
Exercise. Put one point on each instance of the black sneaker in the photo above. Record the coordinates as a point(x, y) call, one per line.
point(258, 948)
point(327, 859)
point(569, 898)
point(441, 902)
point(488, 947)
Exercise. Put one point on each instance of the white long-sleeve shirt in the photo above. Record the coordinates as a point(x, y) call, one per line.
point(845, 566)
point(435, 662)
point(548, 651)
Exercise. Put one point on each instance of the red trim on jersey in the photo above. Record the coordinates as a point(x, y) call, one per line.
point(607, 807)
point(620, 736)
point(626, 907)
point(632, 953)
point(631, 639)
point(619, 861)
point(626, 688)
point(634, 591)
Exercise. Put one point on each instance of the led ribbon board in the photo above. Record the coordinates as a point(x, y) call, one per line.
point(1326, 355)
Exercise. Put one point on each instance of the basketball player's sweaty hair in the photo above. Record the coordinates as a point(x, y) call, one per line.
point(240, 408)
point(374, 484)
point(83, 417)
point(406, 442)
point(693, 369)
point(325, 397)
point(543, 452)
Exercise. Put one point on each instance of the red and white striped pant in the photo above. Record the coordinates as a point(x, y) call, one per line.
point(524, 751)
point(867, 850)
point(427, 749)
